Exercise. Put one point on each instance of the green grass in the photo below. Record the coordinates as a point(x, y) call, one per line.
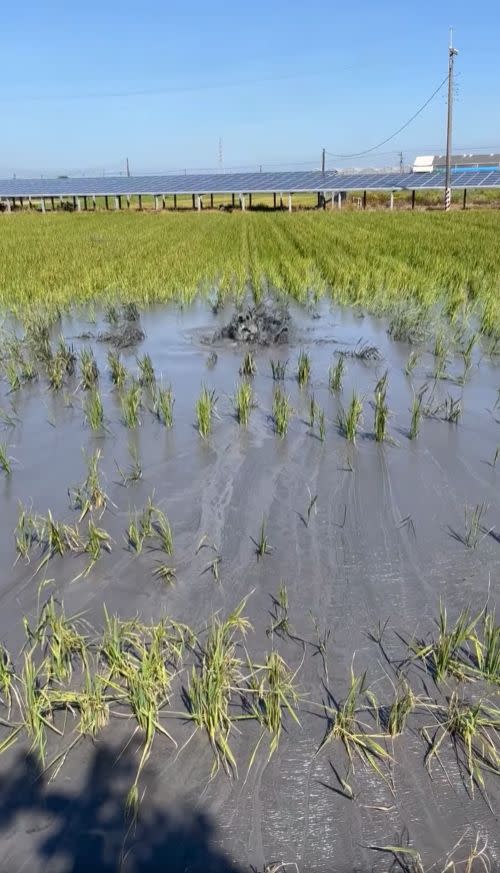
point(380, 261)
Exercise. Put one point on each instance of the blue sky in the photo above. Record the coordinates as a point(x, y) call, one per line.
point(86, 84)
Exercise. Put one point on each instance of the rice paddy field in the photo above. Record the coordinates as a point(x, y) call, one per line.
point(248, 592)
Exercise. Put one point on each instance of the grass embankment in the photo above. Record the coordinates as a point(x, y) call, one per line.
point(375, 260)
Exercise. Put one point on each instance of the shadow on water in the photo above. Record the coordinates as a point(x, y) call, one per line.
point(44, 827)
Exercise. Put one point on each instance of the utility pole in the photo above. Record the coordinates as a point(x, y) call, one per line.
point(128, 167)
point(323, 153)
point(401, 163)
point(452, 53)
point(221, 155)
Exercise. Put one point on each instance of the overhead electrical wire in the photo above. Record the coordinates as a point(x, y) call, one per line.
point(398, 131)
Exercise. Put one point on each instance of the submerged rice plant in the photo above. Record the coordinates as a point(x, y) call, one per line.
point(303, 368)
point(131, 404)
point(243, 402)
point(163, 404)
point(89, 371)
point(5, 459)
point(205, 408)
point(93, 409)
point(147, 377)
point(336, 374)
point(282, 410)
point(278, 369)
point(381, 409)
point(349, 421)
point(117, 370)
point(248, 366)
point(473, 523)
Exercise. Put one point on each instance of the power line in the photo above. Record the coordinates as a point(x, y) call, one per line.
point(398, 131)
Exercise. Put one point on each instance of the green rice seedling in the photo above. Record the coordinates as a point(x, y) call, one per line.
point(134, 473)
point(117, 370)
point(280, 622)
point(487, 649)
point(312, 411)
point(98, 540)
point(273, 692)
point(473, 729)
point(66, 355)
point(135, 536)
point(61, 641)
point(452, 409)
point(473, 522)
point(282, 411)
point(146, 519)
point(131, 404)
point(58, 538)
point(303, 368)
point(248, 366)
point(401, 707)
point(26, 532)
point(89, 371)
point(321, 424)
point(5, 459)
point(162, 527)
point(349, 421)
point(163, 404)
point(93, 409)
point(119, 640)
point(416, 416)
point(346, 727)
point(243, 402)
point(90, 495)
point(278, 369)
point(147, 377)
point(56, 370)
point(211, 686)
point(12, 376)
point(311, 507)
point(7, 679)
point(413, 360)
point(336, 374)
point(448, 655)
point(262, 544)
point(205, 408)
point(381, 409)
point(36, 708)
point(165, 573)
point(93, 704)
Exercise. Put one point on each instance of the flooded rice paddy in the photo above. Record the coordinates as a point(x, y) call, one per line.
point(360, 543)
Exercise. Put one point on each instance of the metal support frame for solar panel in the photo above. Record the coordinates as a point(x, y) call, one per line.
point(242, 183)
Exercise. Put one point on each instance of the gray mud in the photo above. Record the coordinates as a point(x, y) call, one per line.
point(353, 566)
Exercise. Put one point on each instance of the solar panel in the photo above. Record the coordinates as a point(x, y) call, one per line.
point(244, 183)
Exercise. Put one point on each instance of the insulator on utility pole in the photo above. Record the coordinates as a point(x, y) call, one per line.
point(452, 53)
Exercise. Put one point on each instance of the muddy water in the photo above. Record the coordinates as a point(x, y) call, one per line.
point(352, 567)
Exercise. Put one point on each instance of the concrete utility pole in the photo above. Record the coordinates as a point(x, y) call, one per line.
point(128, 167)
point(401, 163)
point(323, 153)
point(452, 53)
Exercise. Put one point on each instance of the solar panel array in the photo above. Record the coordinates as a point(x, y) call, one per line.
point(243, 183)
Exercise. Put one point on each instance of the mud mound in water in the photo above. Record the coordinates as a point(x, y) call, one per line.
point(123, 335)
point(266, 324)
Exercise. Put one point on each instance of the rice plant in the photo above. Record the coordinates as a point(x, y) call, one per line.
point(5, 459)
point(280, 622)
point(117, 370)
point(312, 411)
point(90, 495)
point(147, 378)
point(134, 472)
point(211, 686)
point(12, 376)
point(381, 409)
point(243, 402)
point(303, 368)
point(98, 540)
point(336, 374)
point(162, 528)
point(452, 409)
point(131, 404)
point(349, 421)
point(448, 655)
point(311, 506)
point(273, 693)
point(473, 729)
point(401, 707)
point(27, 532)
point(163, 404)
point(487, 649)
point(56, 371)
point(282, 411)
point(413, 360)
point(416, 416)
point(61, 640)
point(278, 369)
point(165, 573)
point(473, 523)
point(321, 424)
point(89, 371)
point(93, 409)
point(135, 535)
point(248, 366)
point(65, 353)
point(205, 408)
point(262, 543)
